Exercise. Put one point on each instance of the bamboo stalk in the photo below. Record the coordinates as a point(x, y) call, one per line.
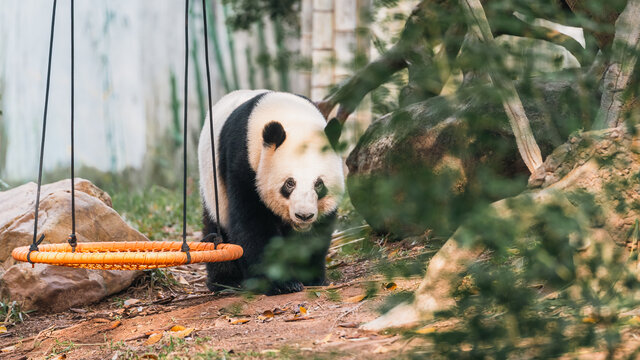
point(624, 55)
point(195, 50)
point(251, 67)
point(263, 56)
point(232, 47)
point(213, 35)
point(518, 120)
point(282, 63)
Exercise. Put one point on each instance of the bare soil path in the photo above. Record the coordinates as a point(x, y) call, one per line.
point(138, 324)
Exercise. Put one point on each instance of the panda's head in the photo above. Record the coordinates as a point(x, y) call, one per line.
point(299, 176)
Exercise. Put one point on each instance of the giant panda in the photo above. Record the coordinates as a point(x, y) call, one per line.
point(277, 174)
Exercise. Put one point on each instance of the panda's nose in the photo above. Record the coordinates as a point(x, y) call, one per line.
point(304, 217)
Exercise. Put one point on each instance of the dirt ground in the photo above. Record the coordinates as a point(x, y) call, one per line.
point(320, 322)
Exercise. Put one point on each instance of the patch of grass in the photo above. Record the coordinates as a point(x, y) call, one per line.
point(335, 275)
point(334, 295)
point(61, 347)
point(157, 211)
point(123, 350)
point(119, 302)
point(284, 352)
point(11, 312)
point(162, 278)
point(169, 346)
point(234, 309)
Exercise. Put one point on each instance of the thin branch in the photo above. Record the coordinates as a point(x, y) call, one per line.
point(624, 55)
point(518, 120)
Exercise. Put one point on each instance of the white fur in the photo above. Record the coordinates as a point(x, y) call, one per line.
point(305, 155)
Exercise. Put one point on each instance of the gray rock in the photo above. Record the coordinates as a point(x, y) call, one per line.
point(412, 168)
point(55, 288)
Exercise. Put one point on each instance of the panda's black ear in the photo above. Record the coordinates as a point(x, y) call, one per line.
point(273, 134)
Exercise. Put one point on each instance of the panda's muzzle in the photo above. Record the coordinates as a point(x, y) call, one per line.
point(305, 216)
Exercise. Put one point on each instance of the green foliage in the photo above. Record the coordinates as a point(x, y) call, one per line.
point(249, 12)
point(503, 316)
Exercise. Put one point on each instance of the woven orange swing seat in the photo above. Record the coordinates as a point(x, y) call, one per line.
point(130, 255)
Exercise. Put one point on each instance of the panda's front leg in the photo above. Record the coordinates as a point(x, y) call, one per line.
point(254, 238)
point(318, 262)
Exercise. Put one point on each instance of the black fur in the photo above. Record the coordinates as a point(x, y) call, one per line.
point(251, 224)
point(273, 134)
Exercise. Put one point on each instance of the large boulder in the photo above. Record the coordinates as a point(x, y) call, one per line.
point(49, 287)
point(58, 288)
point(420, 167)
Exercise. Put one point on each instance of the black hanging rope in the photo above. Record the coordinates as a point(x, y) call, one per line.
point(213, 144)
point(185, 246)
point(35, 243)
point(73, 241)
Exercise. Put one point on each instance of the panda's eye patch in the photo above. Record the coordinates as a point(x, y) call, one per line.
point(287, 187)
point(321, 190)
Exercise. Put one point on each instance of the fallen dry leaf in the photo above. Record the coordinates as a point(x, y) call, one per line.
point(350, 325)
point(390, 286)
point(8, 349)
point(266, 315)
point(101, 320)
point(177, 328)
point(589, 320)
point(3, 329)
point(356, 299)
point(278, 311)
point(634, 321)
point(240, 321)
point(182, 281)
point(130, 302)
point(149, 356)
point(182, 333)
point(302, 310)
point(426, 330)
point(154, 338)
point(327, 338)
point(115, 324)
point(59, 357)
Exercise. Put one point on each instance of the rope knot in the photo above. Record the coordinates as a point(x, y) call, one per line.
point(185, 248)
point(34, 247)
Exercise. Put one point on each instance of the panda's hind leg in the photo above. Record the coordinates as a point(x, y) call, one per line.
point(220, 275)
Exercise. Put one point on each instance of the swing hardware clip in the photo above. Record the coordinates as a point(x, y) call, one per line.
point(73, 241)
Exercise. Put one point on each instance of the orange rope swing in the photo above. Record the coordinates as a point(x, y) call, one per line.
point(131, 255)
point(127, 255)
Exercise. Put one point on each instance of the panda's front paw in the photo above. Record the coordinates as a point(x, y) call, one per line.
point(285, 288)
